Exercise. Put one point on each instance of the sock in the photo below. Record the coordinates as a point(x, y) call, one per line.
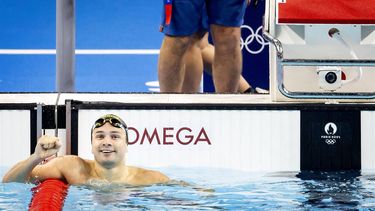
point(250, 90)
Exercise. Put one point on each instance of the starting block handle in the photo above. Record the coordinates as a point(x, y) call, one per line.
point(327, 62)
point(266, 33)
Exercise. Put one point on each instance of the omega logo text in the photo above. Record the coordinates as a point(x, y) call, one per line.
point(168, 136)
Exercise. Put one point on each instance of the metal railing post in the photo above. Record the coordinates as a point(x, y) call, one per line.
point(65, 45)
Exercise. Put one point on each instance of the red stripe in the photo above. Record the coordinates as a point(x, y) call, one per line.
point(168, 13)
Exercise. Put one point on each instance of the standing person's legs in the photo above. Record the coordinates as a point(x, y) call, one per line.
point(208, 52)
point(200, 47)
point(170, 71)
point(184, 23)
point(226, 17)
point(193, 67)
point(243, 85)
point(227, 63)
point(193, 57)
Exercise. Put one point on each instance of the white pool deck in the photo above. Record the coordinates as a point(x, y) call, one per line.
point(50, 98)
point(158, 98)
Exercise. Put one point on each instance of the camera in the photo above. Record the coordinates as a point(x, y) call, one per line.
point(329, 78)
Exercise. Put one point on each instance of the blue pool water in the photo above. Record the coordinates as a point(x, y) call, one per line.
point(217, 189)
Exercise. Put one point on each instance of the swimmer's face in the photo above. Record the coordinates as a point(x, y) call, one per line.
point(109, 145)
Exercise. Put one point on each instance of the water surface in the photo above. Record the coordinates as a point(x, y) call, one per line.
point(217, 189)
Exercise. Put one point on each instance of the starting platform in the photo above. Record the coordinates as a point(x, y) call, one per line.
point(322, 49)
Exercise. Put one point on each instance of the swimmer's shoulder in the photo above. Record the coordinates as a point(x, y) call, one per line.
point(72, 162)
point(76, 170)
point(146, 176)
point(72, 158)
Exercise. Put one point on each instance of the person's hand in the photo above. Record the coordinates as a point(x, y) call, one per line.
point(248, 2)
point(47, 146)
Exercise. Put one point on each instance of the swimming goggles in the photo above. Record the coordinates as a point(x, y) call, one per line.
point(112, 119)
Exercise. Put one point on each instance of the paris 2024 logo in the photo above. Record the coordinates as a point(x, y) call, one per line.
point(330, 136)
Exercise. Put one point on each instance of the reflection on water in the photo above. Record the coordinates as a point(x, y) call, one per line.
point(217, 189)
point(328, 190)
point(100, 195)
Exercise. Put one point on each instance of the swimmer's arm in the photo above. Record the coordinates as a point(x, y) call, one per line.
point(149, 177)
point(157, 177)
point(29, 170)
point(189, 185)
point(50, 170)
point(25, 171)
point(21, 171)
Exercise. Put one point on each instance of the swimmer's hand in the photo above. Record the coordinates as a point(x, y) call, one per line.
point(46, 147)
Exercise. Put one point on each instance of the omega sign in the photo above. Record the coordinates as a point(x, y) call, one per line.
point(168, 136)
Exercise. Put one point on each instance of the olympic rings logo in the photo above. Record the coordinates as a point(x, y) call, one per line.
point(330, 141)
point(253, 37)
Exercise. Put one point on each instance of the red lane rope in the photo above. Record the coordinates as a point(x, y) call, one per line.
point(49, 195)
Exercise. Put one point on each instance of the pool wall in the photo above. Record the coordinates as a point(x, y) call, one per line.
point(215, 131)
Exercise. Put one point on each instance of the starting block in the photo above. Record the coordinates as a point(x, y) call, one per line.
point(322, 50)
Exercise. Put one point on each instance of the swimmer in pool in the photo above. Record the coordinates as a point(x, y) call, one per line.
point(108, 145)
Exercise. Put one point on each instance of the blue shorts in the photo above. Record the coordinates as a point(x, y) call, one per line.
point(191, 16)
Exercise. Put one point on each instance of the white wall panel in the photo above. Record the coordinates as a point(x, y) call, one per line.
point(240, 139)
point(368, 139)
point(14, 136)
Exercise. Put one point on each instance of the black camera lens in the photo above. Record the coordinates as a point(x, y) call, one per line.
point(331, 77)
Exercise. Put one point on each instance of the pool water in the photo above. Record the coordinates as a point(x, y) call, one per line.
point(217, 189)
